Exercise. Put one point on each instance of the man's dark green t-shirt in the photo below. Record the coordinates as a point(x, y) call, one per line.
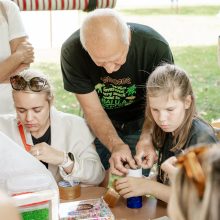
point(121, 93)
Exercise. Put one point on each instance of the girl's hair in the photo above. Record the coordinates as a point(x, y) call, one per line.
point(166, 79)
point(185, 203)
point(28, 74)
point(93, 24)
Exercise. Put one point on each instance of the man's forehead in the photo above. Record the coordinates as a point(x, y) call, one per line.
point(108, 54)
point(107, 58)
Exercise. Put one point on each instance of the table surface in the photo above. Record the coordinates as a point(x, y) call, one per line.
point(152, 208)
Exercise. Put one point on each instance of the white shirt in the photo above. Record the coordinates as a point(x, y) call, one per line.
point(10, 29)
point(69, 133)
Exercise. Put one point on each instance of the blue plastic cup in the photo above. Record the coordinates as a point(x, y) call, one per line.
point(134, 202)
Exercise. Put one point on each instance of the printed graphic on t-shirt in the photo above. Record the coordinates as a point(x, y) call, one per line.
point(116, 93)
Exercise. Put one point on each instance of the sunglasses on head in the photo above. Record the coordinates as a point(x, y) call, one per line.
point(36, 84)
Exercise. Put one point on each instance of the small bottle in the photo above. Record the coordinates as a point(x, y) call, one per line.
point(135, 202)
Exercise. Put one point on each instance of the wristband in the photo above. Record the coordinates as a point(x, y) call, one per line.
point(66, 162)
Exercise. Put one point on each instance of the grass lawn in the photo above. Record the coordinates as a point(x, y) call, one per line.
point(201, 65)
point(204, 10)
point(199, 62)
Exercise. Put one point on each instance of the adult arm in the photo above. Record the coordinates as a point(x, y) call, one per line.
point(22, 54)
point(21, 50)
point(86, 167)
point(145, 152)
point(23, 46)
point(102, 127)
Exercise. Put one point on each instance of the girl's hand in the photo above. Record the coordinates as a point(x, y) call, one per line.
point(132, 186)
point(168, 166)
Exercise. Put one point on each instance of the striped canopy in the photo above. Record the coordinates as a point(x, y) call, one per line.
point(41, 5)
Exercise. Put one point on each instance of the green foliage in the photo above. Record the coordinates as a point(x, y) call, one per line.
point(202, 67)
point(204, 10)
point(199, 62)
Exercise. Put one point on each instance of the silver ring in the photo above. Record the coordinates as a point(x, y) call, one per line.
point(37, 153)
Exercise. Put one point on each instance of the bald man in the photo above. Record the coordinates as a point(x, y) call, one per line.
point(106, 64)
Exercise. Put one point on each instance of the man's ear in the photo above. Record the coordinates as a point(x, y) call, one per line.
point(188, 101)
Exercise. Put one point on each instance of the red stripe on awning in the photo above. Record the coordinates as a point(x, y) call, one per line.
point(62, 4)
point(24, 5)
point(49, 4)
point(37, 4)
point(86, 4)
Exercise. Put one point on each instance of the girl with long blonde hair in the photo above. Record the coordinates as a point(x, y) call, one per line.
point(171, 113)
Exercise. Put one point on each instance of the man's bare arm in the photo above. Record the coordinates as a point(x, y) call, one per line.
point(145, 152)
point(98, 120)
point(102, 127)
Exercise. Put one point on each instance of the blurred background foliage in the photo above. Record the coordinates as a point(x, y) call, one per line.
point(199, 61)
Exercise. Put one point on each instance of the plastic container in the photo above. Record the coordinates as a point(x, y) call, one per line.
point(135, 202)
point(35, 211)
point(42, 205)
point(29, 183)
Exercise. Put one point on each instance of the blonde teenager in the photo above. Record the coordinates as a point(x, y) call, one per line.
point(175, 126)
point(62, 141)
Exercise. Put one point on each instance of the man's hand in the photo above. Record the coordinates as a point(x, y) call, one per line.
point(121, 154)
point(145, 154)
point(48, 154)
